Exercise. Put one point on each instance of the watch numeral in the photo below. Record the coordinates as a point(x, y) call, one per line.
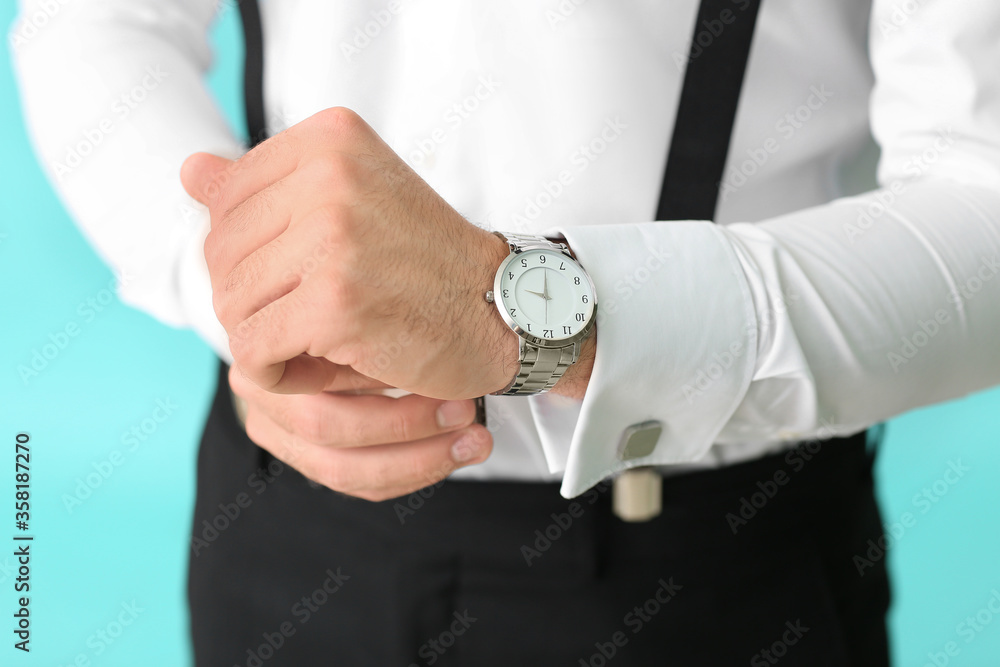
point(586, 299)
point(567, 330)
point(541, 258)
point(529, 326)
point(512, 311)
point(576, 280)
point(511, 274)
point(547, 333)
point(579, 317)
point(524, 262)
point(506, 293)
point(562, 267)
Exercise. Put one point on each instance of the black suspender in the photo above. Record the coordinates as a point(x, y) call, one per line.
point(707, 109)
point(710, 95)
point(253, 71)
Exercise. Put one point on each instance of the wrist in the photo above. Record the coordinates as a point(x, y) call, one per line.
point(564, 368)
point(500, 341)
point(575, 380)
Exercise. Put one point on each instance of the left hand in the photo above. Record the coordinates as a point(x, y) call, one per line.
point(328, 252)
point(361, 443)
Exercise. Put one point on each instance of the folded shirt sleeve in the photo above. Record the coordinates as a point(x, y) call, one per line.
point(824, 321)
point(115, 100)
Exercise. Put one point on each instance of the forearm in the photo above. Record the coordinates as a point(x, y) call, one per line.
point(115, 101)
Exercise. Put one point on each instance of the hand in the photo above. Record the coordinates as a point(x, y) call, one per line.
point(327, 253)
point(370, 446)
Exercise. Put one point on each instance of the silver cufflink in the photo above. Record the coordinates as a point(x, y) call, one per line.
point(637, 494)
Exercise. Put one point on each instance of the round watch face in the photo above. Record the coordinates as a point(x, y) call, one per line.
point(545, 297)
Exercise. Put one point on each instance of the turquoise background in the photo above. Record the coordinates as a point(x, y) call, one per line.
point(128, 541)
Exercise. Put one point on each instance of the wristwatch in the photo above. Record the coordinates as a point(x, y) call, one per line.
point(549, 301)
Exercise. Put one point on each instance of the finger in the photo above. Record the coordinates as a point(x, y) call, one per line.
point(263, 277)
point(277, 157)
point(263, 259)
point(252, 223)
point(279, 346)
point(202, 174)
point(337, 420)
point(379, 472)
point(345, 380)
point(333, 378)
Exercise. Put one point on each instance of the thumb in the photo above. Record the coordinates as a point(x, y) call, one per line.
point(204, 176)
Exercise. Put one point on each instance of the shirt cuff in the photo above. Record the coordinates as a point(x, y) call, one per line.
point(676, 342)
point(195, 286)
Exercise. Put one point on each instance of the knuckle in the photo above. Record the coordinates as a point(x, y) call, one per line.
point(242, 347)
point(359, 432)
point(341, 297)
point(312, 426)
point(212, 249)
point(339, 119)
point(399, 426)
point(220, 304)
point(244, 276)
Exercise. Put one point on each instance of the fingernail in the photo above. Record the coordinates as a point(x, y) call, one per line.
point(454, 413)
point(466, 448)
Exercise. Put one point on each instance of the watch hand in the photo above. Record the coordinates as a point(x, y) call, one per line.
point(535, 293)
point(545, 294)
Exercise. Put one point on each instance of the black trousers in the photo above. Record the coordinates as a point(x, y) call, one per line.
point(750, 564)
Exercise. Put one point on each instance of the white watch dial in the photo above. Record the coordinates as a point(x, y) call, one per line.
point(546, 294)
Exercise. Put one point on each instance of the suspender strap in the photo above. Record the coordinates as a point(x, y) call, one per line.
point(713, 79)
point(253, 71)
point(717, 61)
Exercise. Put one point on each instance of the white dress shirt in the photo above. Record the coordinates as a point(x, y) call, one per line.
point(802, 314)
